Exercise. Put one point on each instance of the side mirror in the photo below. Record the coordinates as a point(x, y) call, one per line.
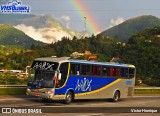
point(59, 76)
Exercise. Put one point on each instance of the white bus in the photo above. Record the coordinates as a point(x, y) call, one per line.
point(68, 79)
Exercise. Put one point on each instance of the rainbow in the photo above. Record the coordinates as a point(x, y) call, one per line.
point(82, 11)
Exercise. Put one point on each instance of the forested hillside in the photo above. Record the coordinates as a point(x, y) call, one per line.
point(40, 27)
point(125, 30)
point(142, 50)
point(11, 36)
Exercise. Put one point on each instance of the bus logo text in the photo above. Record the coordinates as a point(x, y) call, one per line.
point(15, 6)
point(83, 85)
point(43, 66)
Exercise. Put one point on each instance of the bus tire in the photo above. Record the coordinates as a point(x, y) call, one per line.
point(116, 96)
point(69, 97)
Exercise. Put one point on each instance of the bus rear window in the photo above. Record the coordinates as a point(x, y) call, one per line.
point(131, 72)
point(124, 72)
point(127, 72)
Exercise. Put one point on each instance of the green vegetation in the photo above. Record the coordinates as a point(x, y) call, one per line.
point(11, 36)
point(12, 91)
point(103, 46)
point(128, 28)
point(142, 50)
point(8, 79)
point(147, 91)
point(45, 21)
point(11, 48)
point(17, 58)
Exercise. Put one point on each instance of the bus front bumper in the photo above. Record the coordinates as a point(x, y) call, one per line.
point(45, 95)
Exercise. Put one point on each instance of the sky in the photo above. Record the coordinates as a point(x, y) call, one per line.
point(95, 15)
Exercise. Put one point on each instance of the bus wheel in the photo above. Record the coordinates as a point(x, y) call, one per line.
point(116, 96)
point(69, 98)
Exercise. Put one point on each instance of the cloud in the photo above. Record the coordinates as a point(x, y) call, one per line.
point(46, 35)
point(4, 1)
point(30, 31)
point(117, 21)
point(65, 18)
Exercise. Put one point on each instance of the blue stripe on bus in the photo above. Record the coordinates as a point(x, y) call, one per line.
point(83, 84)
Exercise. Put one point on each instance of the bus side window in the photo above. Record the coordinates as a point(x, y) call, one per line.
point(77, 67)
point(83, 69)
point(105, 71)
point(73, 70)
point(96, 70)
point(131, 72)
point(86, 69)
point(116, 71)
point(112, 71)
point(89, 70)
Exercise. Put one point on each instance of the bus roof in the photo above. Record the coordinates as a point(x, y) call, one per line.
point(102, 63)
point(53, 59)
point(67, 59)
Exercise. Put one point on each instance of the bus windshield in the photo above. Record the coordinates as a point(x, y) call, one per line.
point(42, 78)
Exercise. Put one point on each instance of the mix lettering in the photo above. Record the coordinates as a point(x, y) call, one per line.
point(43, 66)
point(83, 85)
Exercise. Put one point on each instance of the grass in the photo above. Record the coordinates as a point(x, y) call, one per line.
point(147, 91)
point(12, 91)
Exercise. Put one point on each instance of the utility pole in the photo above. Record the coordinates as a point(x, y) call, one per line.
point(85, 27)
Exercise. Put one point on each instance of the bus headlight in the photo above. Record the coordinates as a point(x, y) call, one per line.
point(49, 92)
point(28, 91)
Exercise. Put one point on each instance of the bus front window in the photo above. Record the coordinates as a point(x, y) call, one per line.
point(42, 78)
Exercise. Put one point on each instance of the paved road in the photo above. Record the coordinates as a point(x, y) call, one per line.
point(124, 107)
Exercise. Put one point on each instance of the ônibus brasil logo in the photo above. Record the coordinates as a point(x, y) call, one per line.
point(15, 6)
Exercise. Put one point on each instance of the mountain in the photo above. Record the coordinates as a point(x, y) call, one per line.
point(128, 28)
point(12, 36)
point(40, 27)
